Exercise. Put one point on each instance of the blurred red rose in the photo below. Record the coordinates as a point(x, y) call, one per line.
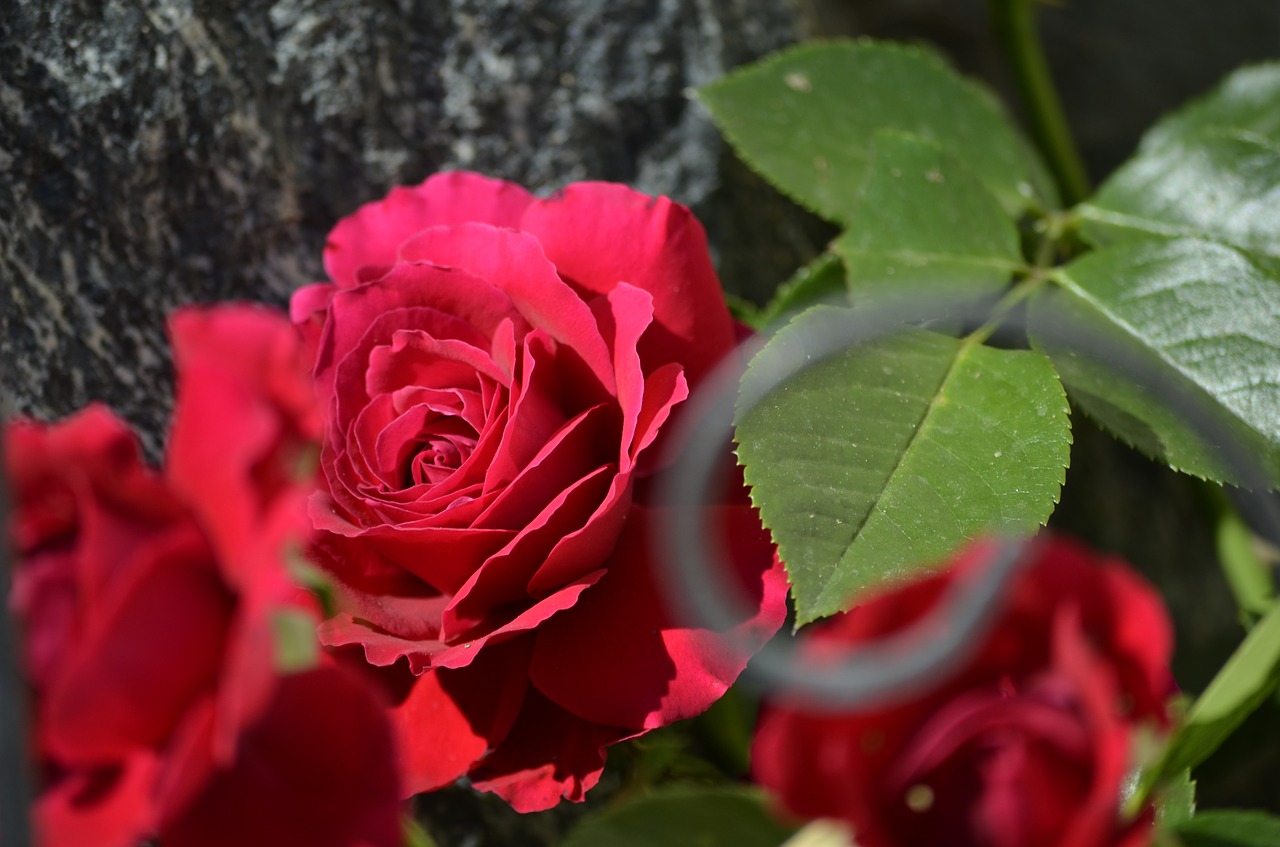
point(150, 609)
point(1027, 743)
point(496, 370)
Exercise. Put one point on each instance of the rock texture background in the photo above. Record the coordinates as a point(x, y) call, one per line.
point(161, 152)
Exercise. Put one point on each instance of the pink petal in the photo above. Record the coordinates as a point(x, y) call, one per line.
point(624, 316)
point(649, 671)
point(461, 653)
point(375, 232)
point(664, 389)
point(153, 644)
point(308, 308)
point(368, 316)
point(416, 358)
point(451, 718)
point(514, 262)
point(501, 580)
point(587, 546)
point(601, 234)
point(537, 410)
point(110, 807)
point(548, 756)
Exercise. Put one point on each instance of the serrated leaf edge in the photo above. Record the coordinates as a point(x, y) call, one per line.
point(1036, 174)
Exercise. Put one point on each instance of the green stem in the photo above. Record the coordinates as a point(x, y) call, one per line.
point(1051, 228)
point(1247, 573)
point(1015, 25)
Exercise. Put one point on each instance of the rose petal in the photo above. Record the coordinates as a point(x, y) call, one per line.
point(589, 544)
point(381, 593)
point(456, 655)
point(562, 459)
point(548, 756)
point(375, 232)
point(500, 582)
point(536, 412)
point(664, 389)
point(418, 358)
point(225, 408)
point(154, 642)
point(650, 671)
point(361, 318)
point(624, 316)
point(451, 718)
point(109, 807)
point(599, 234)
point(318, 768)
point(514, 262)
point(443, 557)
point(1093, 819)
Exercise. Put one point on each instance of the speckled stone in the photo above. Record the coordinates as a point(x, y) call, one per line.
point(161, 152)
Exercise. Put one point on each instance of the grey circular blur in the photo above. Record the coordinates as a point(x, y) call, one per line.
point(694, 570)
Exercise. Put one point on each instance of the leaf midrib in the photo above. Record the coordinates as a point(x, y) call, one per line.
point(962, 351)
point(1103, 215)
point(1070, 285)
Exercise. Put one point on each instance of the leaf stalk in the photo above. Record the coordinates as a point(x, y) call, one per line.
point(1015, 25)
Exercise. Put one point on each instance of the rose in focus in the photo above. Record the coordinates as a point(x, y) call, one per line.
point(152, 607)
point(497, 372)
point(1026, 744)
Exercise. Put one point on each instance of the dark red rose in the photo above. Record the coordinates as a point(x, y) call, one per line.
point(1026, 744)
point(496, 370)
point(149, 607)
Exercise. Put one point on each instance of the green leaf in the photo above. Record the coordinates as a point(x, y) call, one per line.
point(1211, 169)
point(886, 457)
point(727, 729)
point(805, 119)
point(415, 835)
point(1243, 683)
point(743, 310)
point(1221, 184)
point(821, 279)
point(684, 816)
point(307, 575)
point(923, 219)
point(1248, 100)
point(1247, 575)
point(1205, 315)
point(1176, 801)
point(1230, 828)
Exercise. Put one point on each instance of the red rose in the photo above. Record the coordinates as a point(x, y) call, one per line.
point(1026, 744)
point(496, 370)
point(148, 606)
